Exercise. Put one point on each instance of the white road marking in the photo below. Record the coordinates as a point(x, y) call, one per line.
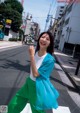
point(60, 109)
point(63, 76)
point(75, 96)
point(27, 109)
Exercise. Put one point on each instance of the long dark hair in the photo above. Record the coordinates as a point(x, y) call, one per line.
point(50, 48)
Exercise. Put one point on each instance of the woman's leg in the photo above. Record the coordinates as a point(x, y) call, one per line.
point(19, 101)
point(36, 111)
point(17, 104)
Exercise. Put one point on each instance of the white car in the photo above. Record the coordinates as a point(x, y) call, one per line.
point(30, 41)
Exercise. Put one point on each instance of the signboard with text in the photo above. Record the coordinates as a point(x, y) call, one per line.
point(8, 21)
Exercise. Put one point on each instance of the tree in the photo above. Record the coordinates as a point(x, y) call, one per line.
point(8, 11)
point(15, 4)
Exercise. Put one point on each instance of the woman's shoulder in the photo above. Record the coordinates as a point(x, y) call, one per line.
point(49, 58)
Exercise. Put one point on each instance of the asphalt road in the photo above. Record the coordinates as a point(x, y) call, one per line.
point(15, 68)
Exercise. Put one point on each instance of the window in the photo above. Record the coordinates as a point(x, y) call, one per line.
point(62, 7)
point(67, 21)
point(69, 8)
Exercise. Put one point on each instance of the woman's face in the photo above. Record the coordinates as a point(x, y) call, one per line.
point(44, 41)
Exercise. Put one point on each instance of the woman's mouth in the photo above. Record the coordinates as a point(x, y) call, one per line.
point(42, 43)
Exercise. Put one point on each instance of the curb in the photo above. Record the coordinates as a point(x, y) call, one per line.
point(68, 75)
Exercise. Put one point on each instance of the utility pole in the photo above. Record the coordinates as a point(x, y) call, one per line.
point(47, 20)
point(50, 22)
point(48, 15)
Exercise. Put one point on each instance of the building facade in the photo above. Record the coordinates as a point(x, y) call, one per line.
point(56, 29)
point(70, 36)
point(68, 29)
point(59, 11)
point(35, 30)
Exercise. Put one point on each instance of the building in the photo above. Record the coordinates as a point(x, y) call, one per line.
point(27, 22)
point(70, 36)
point(56, 29)
point(31, 29)
point(35, 30)
point(66, 29)
point(59, 25)
point(59, 11)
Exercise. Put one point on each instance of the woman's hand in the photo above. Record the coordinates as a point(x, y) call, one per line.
point(31, 51)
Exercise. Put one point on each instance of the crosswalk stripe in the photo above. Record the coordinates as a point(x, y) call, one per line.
point(27, 109)
point(60, 109)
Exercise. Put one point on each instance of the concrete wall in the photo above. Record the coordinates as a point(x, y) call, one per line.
point(11, 35)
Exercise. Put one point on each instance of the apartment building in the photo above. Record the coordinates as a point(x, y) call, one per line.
point(59, 12)
point(70, 36)
point(56, 28)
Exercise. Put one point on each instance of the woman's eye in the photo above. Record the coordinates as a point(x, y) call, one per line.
point(42, 36)
point(47, 38)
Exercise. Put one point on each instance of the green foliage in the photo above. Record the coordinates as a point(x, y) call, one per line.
point(16, 21)
point(13, 39)
point(12, 9)
point(15, 4)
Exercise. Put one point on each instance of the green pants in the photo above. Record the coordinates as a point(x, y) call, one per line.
point(26, 94)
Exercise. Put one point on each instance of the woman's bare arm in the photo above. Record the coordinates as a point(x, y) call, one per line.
point(33, 64)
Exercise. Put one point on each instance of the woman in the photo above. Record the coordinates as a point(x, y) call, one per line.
point(38, 90)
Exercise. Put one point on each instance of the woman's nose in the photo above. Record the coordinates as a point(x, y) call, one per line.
point(44, 39)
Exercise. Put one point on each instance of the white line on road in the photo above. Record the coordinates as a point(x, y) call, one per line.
point(74, 95)
point(63, 76)
point(27, 109)
point(60, 109)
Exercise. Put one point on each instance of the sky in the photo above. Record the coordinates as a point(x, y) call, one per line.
point(39, 10)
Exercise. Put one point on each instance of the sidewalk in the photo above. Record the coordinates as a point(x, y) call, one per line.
point(69, 65)
point(8, 44)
